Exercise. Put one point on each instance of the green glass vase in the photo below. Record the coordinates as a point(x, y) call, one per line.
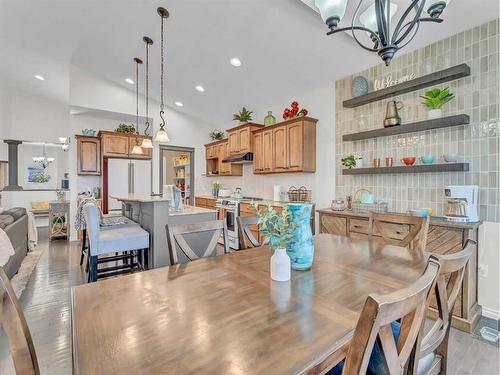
point(269, 119)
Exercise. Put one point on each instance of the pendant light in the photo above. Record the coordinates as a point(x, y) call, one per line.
point(146, 142)
point(161, 135)
point(386, 40)
point(137, 150)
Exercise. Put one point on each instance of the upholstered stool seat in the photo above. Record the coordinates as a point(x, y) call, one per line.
point(120, 239)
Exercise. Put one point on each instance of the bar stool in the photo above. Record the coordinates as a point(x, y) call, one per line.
point(132, 239)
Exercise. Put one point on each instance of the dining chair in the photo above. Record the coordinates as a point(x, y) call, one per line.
point(133, 241)
point(17, 333)
point(415, 239)
point(188, 242)
point(388, 331)
point(247, 239)
point(433, 353)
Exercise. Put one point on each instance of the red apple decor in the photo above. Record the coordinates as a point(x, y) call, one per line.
point(293, 112)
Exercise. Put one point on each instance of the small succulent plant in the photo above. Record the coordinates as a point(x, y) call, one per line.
point(243, 116)
point(436, 98)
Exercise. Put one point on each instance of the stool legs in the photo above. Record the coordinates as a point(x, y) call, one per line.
point(84, 240)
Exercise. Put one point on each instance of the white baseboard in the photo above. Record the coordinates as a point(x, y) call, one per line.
point(490, 313)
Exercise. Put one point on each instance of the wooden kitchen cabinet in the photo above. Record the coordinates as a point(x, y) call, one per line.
point(120, 145)
point(88, 156)
point(442, 238)
point(240, 138)
point(289, 146)
point(205, 202)
point(215, 152)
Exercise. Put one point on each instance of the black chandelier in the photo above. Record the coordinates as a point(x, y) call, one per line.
point(376, 22)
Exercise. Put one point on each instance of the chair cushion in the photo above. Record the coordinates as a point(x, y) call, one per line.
point(16, 213)
point(5, 221)
point(121, 239)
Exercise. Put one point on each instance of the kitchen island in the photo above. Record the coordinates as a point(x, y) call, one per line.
point(153, 214)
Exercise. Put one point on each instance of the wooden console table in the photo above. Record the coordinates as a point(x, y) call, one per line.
point(443, 238)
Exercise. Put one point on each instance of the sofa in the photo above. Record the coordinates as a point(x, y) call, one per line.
point(15, 223)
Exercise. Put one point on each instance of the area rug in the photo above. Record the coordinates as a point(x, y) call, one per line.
point(20, 280)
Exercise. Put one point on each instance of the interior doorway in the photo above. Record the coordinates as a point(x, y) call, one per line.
point(177, 168)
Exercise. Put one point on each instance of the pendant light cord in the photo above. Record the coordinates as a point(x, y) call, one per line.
point(162, 105)
point(146, 131)
point(136, 98)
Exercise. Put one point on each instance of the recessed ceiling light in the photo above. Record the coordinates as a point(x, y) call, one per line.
point(39, 77)
point(200, 88)
point(130, 81)
point(179, 104)
point(235, 62)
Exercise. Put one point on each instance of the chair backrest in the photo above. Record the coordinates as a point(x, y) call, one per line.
point(448, 284)
point(415, 239)
point(247, 239)
point(13, 324)
point(187, 242)
point(409, 305)
point(92, 221)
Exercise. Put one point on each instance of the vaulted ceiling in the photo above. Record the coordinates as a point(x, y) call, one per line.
point(281, 43)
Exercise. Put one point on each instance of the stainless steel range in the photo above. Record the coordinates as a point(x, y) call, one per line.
point(228, 210)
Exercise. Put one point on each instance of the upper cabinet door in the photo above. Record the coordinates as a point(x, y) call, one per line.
point(245, 140)
point(295, 136)
point(267, 151)
point(234, 142)
point(258, 165)
point(115, 145)
point(280, 149)
point(88, 156)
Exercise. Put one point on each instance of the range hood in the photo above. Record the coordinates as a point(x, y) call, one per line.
point(244, 158)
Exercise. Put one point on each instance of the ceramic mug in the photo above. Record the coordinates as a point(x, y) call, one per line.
point(427, 159)
point(409, 160)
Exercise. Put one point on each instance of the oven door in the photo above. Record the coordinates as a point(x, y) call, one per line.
point(230, 217)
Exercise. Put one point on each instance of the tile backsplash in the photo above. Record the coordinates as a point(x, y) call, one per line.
point(477, 143)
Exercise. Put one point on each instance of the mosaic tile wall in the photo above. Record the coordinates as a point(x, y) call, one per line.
point(476, 143)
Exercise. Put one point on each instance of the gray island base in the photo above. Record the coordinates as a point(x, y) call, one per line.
point(153, 214)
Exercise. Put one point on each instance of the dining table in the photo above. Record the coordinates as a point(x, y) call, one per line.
point(225, 315)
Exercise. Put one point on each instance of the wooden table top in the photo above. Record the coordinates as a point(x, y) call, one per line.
point(224, 315)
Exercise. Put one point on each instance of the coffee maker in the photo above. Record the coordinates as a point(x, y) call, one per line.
point(461, 204)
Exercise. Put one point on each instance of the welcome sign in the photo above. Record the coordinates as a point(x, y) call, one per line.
point(390, 81)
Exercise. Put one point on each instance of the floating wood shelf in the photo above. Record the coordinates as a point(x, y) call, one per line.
point(444, 122)
point(451, 167)
point(450, 74)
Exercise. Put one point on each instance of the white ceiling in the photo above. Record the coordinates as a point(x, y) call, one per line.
point(282, 45)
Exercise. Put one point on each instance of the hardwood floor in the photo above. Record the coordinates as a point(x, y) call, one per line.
point(46, 303)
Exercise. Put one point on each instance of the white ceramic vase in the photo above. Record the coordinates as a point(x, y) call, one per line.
point(359, 163)
point(280, 265)
point(434, 114)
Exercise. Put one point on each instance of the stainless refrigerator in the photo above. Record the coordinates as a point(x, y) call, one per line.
point(127, 176)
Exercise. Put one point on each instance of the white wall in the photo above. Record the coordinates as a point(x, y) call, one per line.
point(489, 269)
point(321, 105)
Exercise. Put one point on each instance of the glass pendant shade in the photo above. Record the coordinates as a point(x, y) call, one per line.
point(369, 17)
point(162, 136)
point(146, 143)
point(332, 11)
point(137, 150)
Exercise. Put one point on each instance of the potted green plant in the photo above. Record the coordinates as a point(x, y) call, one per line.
point(215, 188)
point(352, 161)
point(435, 99)
point(217, 135)
point(279, 228)
point(243, 116)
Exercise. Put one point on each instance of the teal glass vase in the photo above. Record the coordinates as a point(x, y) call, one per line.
point(301, 249)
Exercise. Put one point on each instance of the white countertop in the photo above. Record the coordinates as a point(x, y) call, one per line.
point(138, 198)
point(191, 210)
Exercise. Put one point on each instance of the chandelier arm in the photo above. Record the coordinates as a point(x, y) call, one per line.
point(349, 28)
point(416, 28)
point(418, 12)
point(436, 20)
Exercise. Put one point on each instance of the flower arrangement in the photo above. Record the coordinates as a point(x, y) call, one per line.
point(289, 113)
point(217, 135)
point(243, 116)
point(278, 227)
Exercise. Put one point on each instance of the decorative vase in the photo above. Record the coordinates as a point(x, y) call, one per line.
point(269, 119)
point(359, 86)
point(434, 114)
point(280, 265)
point(215, 192)
point(301, 249)
point(359, 163)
